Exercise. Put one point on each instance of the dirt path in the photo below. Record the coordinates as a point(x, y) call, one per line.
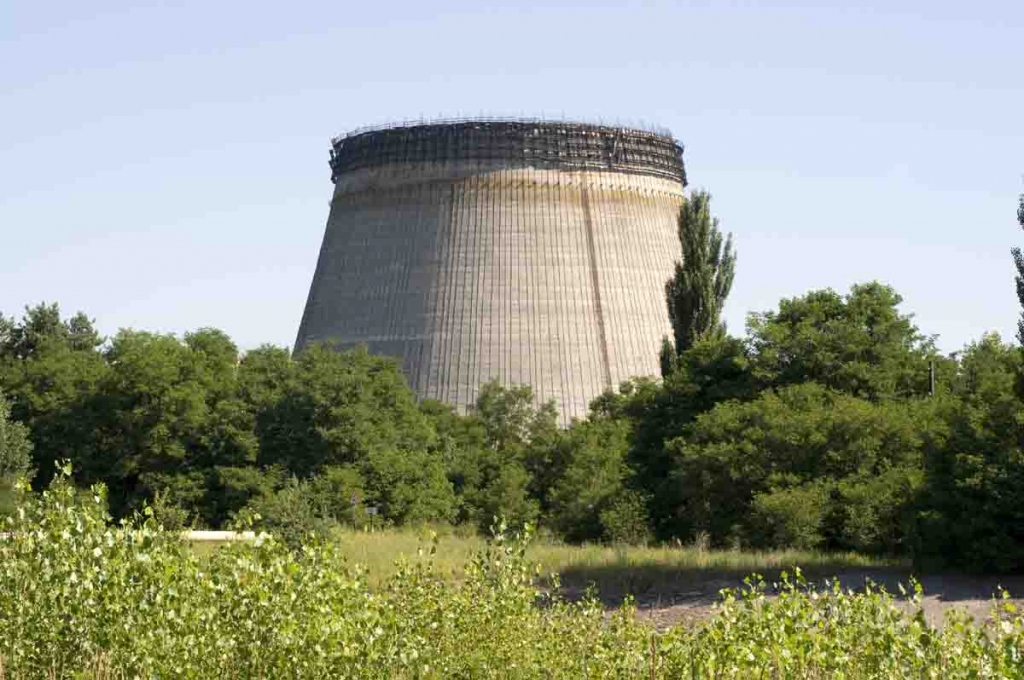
point(690, 600)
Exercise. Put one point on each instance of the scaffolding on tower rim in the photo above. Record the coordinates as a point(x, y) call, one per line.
point(553, 144)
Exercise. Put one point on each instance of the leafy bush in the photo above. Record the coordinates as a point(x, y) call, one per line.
point(409, 485)
point(830, 632)
point(625, 520)
point(15, 450)
point(339, 493)
point(15, 447)
point(80, 598)
point(169, 515)
point(791, 516)
point(300, 508)
point(594, 477)
point(875, 513)
point(788, 438)
point(288, 513)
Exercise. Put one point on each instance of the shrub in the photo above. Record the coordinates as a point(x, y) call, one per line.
point(15, 447)
point(289, 514)
point(791, 516)
point(799, 436)
point(80, 598)
point(875, 512)
point(594, 455)
point(625, 520)
point(15, 451)
point(168, 514)
point(338, 494)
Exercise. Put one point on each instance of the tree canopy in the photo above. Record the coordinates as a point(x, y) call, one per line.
point(859, 343)
point(820, 429)
point(1018, 261)
point(15, 454)
point(702, 280)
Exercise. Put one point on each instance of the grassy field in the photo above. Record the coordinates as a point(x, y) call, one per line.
point(643, 572)
point(647, 573)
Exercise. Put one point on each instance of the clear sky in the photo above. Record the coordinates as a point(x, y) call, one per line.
point(163, 166)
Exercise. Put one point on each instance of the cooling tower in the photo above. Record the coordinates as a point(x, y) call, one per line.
point(531, 252)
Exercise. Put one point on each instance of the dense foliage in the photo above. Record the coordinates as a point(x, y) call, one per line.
point(822, 429)
point(701, 281)
point(1018, 261)
point(15, 452)
point(81, 598)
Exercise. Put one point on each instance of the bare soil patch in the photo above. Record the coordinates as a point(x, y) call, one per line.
point(690, 598)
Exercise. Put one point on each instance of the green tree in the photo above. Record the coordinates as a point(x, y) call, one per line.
point(626, 519)
point(42, 327)
point(713, 371)
point(461, 446)
point(339, 494)
point(973, 516)
point(497, 488)
point(15, 446)
point(6, 333)
point(507, 457)
point(263, 375)
point(351, 410)
point(1018, 261)
point(51, 369)
point(785, 440)
point(163, 416)
point(697, 291)
point(338, 408)
point(151, 413)
point(408, 485)
point(596, 475)
point(15, 455)
point(510, 419)
point(232, 488)
point(860, 344)
point(521, 432)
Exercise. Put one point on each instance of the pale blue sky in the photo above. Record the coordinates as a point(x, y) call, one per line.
point(164, 165)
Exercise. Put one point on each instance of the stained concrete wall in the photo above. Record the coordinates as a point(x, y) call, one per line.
point(474, 271)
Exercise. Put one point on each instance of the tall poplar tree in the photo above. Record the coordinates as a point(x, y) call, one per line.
point(697, 291)
point(1018, 260)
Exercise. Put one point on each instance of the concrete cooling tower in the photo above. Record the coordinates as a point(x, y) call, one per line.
point(531, 252)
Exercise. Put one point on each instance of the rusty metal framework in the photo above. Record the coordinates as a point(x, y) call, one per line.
point(560, 145)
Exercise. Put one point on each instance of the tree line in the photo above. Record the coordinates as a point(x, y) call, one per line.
point(835, 424)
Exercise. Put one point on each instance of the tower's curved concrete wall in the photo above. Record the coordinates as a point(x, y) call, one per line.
point(528, 270)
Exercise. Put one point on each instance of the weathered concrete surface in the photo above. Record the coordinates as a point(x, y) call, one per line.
point(472, 271)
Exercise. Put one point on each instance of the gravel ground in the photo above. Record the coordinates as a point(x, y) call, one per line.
point(691, 600)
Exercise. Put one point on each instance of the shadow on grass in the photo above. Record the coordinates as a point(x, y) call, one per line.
point(658, 586)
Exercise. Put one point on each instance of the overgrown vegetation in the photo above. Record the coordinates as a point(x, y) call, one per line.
point(615, 570)
point(15, 452)
point(834, 434)
point(835, 425)
point(81, 598)
point(820, 431)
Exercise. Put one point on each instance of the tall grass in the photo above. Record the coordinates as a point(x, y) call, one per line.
point(611, 568)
